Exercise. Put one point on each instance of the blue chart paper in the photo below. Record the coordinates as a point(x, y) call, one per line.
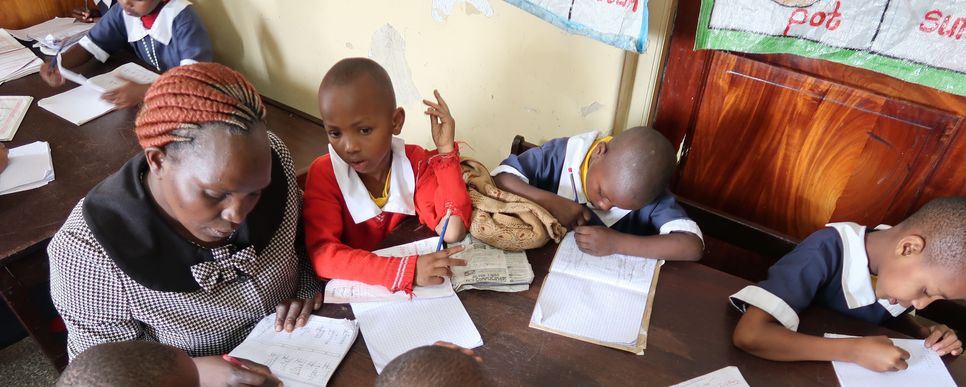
point(619, 23)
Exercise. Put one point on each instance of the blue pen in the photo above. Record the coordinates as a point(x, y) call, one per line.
point(439, 246)
point(573, 184)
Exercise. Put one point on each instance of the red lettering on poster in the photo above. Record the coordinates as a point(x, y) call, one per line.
point(622, 3)
point(829, 20)
point(934, 21)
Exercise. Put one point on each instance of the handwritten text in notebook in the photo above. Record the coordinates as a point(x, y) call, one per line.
point(599, 298)
point(305, 357)
point(926, 368)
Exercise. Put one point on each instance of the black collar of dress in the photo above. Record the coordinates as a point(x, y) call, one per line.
point(124, 220)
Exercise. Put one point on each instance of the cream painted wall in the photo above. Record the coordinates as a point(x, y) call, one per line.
point(503, 74)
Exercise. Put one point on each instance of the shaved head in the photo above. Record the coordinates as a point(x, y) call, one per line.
point(349, 72)
point(942, 223)
point(640, 161)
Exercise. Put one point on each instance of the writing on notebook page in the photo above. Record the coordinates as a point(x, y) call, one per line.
point(307, 356)
point(926, 368)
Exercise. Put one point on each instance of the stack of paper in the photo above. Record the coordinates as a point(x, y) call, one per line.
point(490, 268)
point(12, 110)
point(338, 291)
point(30, 167)
point(53, 34)
point(392, 328)
point(308, 356)
point(603, 300)
point(16, 61)
point(82, 104)
point(926, 368)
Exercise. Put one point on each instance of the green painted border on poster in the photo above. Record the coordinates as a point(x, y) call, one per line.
point(938, 78)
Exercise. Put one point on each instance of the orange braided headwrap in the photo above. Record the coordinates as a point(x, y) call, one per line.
point(185, 97)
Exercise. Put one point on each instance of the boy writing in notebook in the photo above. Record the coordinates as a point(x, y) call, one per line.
point(163, 33)
point(611, 191)
point(370, 181)
point(920, 260)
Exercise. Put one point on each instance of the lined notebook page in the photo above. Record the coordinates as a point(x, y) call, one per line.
point(926, 368)
point(306, 357)
point(391, 329)
point(601, 298)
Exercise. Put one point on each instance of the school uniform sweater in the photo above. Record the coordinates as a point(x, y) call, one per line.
point(343, 224)
point(176, 37)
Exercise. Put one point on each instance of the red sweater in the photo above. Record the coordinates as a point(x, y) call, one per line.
point(340, 248)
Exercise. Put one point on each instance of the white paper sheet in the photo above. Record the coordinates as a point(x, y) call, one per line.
point(601, 298)
point(926, 368)
point(725, 377)
point(15, 59)
point(338, 291)
point(113, 79)
point(78, 105)
point(12, 110)
point(306, 357)
point(57, 27)
point(30, 167)
point(390, 329)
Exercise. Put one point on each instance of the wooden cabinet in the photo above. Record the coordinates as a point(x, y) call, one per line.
point(793, 143)
point(16, 14)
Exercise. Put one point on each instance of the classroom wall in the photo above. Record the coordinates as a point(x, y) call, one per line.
point(502, 70)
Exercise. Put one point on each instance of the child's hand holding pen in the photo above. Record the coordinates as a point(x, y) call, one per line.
point(442, 123)
point(431, 268)
point(85, 14)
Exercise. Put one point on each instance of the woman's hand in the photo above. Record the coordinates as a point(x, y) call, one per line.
point(294, 313)
point(213, 371)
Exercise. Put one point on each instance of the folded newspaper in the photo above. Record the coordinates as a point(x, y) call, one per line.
point(489, 268)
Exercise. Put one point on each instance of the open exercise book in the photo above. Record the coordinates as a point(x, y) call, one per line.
point(926, 368)
point(338, 291)
point(83, 104)
point(306, 357)
point(602, 300)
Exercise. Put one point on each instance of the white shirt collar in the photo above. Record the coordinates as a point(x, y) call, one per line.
point(577, 148)
point(402, 185)
point(161, 29)
point(856, 278)
point(106, 2)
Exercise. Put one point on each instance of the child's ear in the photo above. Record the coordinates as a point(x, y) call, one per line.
point(398, 119)
point(910, 245)
point(599, 151)
point(155, 157)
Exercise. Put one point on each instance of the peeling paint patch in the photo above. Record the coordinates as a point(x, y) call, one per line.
point(443, 8)
point(589, 109)
point(349, 45)
point(388, 48)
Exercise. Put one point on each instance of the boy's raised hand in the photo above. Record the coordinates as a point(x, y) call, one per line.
point(943, 340)
point(431, 268)
point(879, 354)
point(443, 125)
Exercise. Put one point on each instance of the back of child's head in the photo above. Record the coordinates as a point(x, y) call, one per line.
point(432, 366)
point(642, 160)
point(130, 363)
point(360, 72)
point(942, 224)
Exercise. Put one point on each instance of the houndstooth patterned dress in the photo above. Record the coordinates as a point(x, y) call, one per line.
point(117, 273)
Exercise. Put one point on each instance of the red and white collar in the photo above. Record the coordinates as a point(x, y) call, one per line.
point(163, 24)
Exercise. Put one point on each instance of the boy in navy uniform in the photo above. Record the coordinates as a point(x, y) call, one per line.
point(914, 263)
point(163, 33)
point(611, 191)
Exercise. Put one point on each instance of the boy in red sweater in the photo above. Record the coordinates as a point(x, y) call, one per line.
point(371, 181)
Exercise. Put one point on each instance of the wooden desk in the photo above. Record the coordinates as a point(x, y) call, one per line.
point(690, 335)
point(83, 156)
